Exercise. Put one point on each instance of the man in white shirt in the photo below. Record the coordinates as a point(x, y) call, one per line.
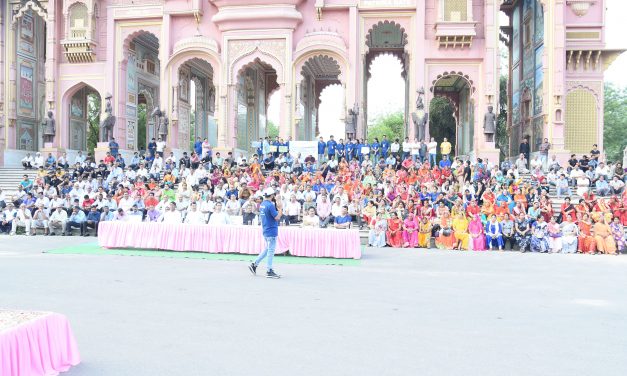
point(23, 218)
point(194, 216)
point(171, 215)
point(80, 158)
point(27, 162)
point(292, 210)
point(57, 221)
point(432, 148)
point(160, 147)
point(219, 217)
point(40, 219)
point(336, 208)
point(7, 218)
point(126, 202)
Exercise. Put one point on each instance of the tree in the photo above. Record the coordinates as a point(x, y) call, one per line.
point(272, 130)
point(391, 125)
point(502, 136)
point(441, 120)
point(141, 126)
point(615, 122)
point(93, 121)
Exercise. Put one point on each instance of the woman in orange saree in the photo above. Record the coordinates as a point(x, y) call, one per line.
point(587, 242)
point(394, 233)
point(445, 238)
point(604, 238)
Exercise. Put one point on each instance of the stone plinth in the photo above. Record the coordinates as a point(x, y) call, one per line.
point(100, 151)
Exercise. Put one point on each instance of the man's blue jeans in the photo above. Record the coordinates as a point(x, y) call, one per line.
point(269, 251)
point(432, 159)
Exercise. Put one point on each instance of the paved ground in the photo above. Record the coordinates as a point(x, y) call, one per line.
point(401, 312)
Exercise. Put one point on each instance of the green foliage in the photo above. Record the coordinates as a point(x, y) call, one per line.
point(192, 129)
point(93, 121)
point(615, 122)
point(272, 130)
point(141, 126)
point(441, 121)
point(502, 136)
point(391, 125)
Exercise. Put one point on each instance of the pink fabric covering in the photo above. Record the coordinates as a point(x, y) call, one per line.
point(42, 344)
point(229, 239)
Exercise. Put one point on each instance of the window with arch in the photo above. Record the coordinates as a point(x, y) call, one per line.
point(454, 10)
point(79, 21)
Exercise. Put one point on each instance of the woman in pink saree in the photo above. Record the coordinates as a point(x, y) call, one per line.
point(410, 232)
point(476, 234)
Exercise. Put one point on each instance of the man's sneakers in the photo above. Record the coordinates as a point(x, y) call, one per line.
point(271, 274)
point(253, 268)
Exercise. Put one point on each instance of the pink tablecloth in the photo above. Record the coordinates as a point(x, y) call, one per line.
point(36, 343)
point(229, 239)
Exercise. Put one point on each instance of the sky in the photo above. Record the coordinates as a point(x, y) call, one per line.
point(386, 88)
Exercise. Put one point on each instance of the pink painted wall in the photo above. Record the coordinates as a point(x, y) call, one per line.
point(335, 20)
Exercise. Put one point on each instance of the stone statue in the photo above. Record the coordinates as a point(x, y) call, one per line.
point(107, 124)
point(420, 101)
point(49, 128)
point(351, 121)
point(420, 117)
point(489, 124)
point(161, 123)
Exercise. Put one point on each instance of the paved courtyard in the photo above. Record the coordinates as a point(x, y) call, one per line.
point(399, 312)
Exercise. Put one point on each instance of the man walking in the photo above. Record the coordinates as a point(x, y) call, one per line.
point(270, 212)
point(544, 152)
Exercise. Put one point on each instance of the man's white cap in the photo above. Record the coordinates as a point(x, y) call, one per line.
point(268, 192)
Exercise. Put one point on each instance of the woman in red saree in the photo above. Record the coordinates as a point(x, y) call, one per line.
point(394, 233)
point(567, 209)
point(546, 209)
point(587, 243)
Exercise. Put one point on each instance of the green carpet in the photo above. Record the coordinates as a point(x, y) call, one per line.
point(94, 249)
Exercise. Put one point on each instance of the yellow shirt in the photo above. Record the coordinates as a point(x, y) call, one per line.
point(445, 147)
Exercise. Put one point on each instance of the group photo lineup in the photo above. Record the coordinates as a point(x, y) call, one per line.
point(159, 158)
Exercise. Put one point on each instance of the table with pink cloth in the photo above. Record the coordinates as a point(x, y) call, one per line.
point(36, 343)
point(307, 242)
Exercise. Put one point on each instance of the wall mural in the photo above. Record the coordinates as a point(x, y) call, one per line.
point(27, 31)
point(26, 135)
point(25, 88)
point(539, 77)
point(539, 29)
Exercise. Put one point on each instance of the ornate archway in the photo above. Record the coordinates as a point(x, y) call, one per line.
point(458, 90)
point(385, 37)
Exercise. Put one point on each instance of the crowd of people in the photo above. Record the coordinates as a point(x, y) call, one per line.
point(407, 194)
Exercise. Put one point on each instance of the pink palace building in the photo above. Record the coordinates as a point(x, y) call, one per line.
point(68, 56)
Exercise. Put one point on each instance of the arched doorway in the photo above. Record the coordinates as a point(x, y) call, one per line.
point(386, 38)
point(331, 112)
point(454, 113)
point(196, 103)
point(256, 81)
point(82, 109)
point(317, 73)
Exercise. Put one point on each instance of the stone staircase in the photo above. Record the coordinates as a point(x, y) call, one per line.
point(10, 178)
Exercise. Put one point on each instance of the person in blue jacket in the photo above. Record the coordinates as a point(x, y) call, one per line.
point(385, 146)
point(260, 148)
point(375, 149)
point(321, 147)
point(276, 143)
point(350, 150)
point(331, 144)
point(358, 146)
point(340, 150)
